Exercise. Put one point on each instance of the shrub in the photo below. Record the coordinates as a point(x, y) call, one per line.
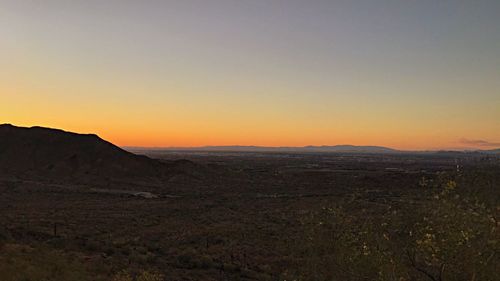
point(447, 237)
point(142, 276)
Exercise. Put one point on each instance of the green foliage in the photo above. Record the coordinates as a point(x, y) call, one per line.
point(457, 239)
point(447, 237)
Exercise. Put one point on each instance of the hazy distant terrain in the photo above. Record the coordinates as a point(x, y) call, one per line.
point(335, 148)
point(303, 149)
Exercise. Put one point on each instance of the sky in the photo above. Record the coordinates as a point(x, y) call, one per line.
point(415, 74)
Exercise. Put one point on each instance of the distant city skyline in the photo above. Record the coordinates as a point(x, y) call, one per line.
point(412, 75)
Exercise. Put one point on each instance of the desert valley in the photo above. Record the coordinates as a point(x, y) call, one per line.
point(262, 140)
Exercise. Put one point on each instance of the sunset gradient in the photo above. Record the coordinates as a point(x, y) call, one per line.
point(402, 74)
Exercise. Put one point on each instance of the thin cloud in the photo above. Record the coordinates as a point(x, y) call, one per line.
point(479, 143)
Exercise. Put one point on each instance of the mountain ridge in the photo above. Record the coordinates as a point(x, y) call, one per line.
point(53, 154)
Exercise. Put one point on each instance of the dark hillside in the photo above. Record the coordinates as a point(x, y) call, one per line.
point(54, 154)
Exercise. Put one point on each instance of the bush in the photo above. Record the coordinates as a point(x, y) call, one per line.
point(149, 276)
point(447, 237)
point(142, 276)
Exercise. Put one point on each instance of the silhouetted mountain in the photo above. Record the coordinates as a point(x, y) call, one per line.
point(58, 155)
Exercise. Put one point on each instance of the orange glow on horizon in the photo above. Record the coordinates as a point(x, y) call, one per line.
point(147, 137)
point(140, 77)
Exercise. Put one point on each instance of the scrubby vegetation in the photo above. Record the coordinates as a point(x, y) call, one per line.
point(451, 236)
point(25, 263)
point(279, 219)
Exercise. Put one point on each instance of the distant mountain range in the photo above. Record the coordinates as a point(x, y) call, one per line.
point(305, 149)
point(54, 152)
point(237, 148)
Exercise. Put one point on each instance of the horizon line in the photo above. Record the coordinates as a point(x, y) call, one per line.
point(462, 149)
point(304, 147)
